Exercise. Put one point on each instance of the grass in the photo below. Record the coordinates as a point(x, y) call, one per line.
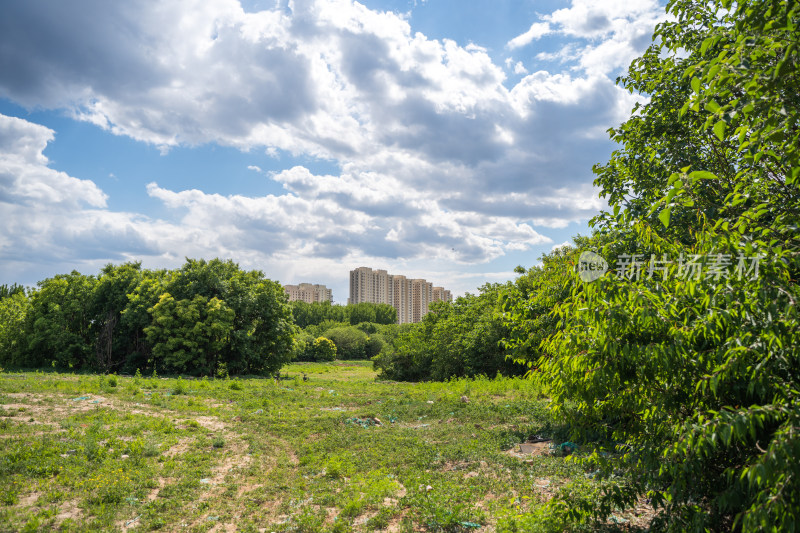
point(338, 452)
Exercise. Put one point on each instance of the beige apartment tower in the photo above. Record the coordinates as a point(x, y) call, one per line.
point(306, 292)
point(410, 297)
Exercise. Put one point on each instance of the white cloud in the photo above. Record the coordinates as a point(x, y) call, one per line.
point(25, 177)
point(536, 31)
point(438, 159)
point(606, 34)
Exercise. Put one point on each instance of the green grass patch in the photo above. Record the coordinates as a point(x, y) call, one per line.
point(283, 454)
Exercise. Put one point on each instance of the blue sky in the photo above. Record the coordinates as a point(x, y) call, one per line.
point(443, 139)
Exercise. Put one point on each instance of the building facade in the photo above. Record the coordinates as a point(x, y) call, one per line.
point(307, 292)
point(410, 297)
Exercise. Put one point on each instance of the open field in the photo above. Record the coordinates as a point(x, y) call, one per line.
point(339, 452)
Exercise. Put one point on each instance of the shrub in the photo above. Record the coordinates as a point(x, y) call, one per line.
point(323, 349)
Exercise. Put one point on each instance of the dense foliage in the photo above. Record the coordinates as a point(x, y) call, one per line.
point(312, 314)
point(526, 306)
point(689, 374)
point(457, 339)
point(193, 320)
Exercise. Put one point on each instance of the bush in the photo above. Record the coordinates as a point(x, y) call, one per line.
point(350, 342)
point(324, 349)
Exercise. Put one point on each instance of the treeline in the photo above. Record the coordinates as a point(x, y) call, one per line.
point(311, 314)
point(353, 331)
point(212, 318)
point(204, 318)
point(464, 338)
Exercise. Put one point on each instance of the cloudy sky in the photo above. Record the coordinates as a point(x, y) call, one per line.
point(444, 139)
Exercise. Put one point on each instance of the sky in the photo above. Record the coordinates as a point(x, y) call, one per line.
point(450, 140)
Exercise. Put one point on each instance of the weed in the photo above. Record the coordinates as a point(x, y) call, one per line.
point(179, 387)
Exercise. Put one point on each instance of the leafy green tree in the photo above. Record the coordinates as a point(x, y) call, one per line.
point(692, 383)
point(312, 314)
point(189, 335)
point(115, 338)
point(135, 317)
point(324, 326)
point(374, 346)
point(361, 312)
point(58, 324)
point(385, 314)
point(14, 310)
point(526, 307)
point(7, 291)
point(303, 347)
point(261, 340)
point(306, 314)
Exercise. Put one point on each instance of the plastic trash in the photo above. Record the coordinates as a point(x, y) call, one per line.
point(567, 447)
point(81, 398)
point(365, 423)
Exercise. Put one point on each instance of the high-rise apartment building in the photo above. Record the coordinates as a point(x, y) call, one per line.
point(410, 297)
point(440, 294)
point(306, 292)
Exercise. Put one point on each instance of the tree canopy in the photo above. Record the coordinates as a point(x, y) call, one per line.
point(189, 320)
point(688, 385)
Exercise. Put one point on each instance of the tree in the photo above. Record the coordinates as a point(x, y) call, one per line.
point(115, 338)
point(692, 383)
point(189, 335)
point(7, 291)
point(13, 313)
point(261, 338)
point(526, 306)
point(58, 323)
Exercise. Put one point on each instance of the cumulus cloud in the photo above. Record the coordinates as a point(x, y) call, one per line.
point(607, 34)
point(49, 216)
point(439, 156)
point(536, 31)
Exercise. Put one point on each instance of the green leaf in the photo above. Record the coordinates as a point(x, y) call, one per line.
point(664, 217)
point(706, 43)
point(712, 106)
point(696, 85)
point(719, 129)
point(702, 175)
